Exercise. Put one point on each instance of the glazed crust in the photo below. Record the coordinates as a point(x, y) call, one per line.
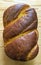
point(20, 32)
point(28, 22)
point(23, 45)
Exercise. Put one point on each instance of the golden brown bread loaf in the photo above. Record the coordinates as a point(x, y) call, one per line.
point(20, 32)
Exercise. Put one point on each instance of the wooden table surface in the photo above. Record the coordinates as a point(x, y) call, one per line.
point(4, 60)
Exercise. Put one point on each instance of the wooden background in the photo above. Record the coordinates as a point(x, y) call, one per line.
point(4, 4)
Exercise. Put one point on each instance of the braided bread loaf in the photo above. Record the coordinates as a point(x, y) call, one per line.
point(20, 32)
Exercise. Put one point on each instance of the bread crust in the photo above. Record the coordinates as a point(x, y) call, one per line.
point(20, 32)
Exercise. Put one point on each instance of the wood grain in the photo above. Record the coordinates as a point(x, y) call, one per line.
point(4, 4)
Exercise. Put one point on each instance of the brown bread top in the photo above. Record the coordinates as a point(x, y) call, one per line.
point(21, 22)
point(20, 32)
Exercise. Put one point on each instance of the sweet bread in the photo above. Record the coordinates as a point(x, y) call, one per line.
point(20, 32)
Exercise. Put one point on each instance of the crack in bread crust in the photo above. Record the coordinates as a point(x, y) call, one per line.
point(33, 52)
point(16, 10)
point(19, 36)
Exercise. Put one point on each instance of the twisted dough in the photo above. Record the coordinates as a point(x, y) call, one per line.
point(20, 32)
